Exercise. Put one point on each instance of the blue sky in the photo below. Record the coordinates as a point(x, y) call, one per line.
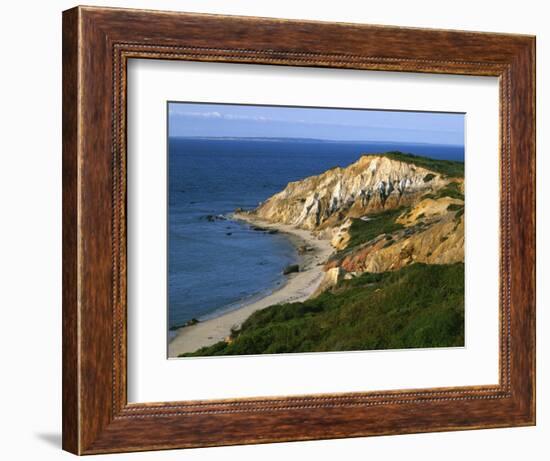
point(228, 120)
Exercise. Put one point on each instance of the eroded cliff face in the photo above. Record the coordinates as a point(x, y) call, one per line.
point(429, 241)
point(373, 183)
point(379, 213)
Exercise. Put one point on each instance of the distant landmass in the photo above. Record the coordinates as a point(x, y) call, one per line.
point(311, 140)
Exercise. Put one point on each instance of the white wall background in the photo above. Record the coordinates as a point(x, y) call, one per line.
point(30, 227)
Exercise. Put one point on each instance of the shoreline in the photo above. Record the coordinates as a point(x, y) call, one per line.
point(298, 287)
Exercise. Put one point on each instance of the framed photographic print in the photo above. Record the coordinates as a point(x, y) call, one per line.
point(280, 230)
point(284, 222)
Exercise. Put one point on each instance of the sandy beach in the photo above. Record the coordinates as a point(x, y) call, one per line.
point(298, 287)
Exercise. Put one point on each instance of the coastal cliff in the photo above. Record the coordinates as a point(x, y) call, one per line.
point(381, 213)
point(373, 183)
point(395, 278)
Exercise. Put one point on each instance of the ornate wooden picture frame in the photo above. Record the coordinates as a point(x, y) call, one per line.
point(97, 44)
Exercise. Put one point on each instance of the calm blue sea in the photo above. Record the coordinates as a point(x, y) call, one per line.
point(215, 263)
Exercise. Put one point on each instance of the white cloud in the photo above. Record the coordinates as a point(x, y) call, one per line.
point(178, 112)
point(206, 115)
point(253, 118)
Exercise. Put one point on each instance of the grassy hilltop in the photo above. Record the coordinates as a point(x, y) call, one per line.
point(418, 306)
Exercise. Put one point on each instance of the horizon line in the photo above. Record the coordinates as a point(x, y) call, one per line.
point(315, 139)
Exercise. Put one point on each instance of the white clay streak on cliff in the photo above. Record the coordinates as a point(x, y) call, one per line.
point(298, 287)
point(373, 183)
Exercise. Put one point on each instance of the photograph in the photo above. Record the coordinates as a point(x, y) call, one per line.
point(313, 229)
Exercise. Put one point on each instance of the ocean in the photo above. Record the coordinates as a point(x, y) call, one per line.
point(214, 263)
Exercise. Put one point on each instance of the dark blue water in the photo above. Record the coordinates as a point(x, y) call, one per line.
point(213, 263)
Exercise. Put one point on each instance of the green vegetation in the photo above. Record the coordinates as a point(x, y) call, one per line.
point(379, 223)
point(445, 167)
point(450, 190)
point(459, 208)
point(455, 207)
point(428, 177)
point(415, 307)
point(459, 213)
